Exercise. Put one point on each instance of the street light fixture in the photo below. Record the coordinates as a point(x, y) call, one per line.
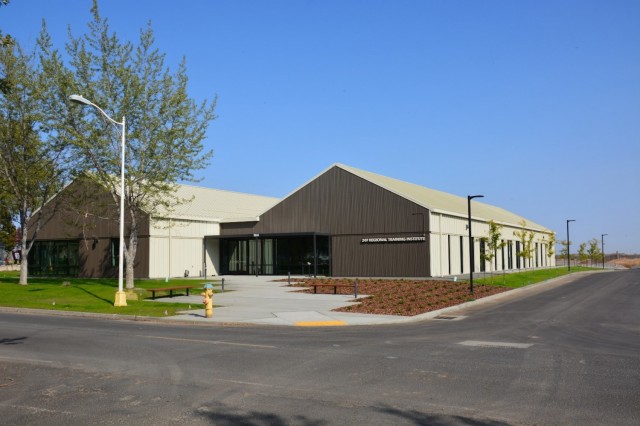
point(602, 241)
point(471, 248)
point(569, 245)
point(120, 298)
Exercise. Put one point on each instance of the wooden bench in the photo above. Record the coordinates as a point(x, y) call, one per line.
point(335, 287)
point(169, 289)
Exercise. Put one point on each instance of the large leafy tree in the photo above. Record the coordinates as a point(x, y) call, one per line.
point(31, 153)
point(7, 228)
point(5, 41)
point(165, 128)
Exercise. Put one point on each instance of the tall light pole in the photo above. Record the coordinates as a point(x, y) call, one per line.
point(120, 298)
point(569, 245)
point(602, 241)
point(471, 248)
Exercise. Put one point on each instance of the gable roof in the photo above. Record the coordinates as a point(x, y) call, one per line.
point(439, 201)
point(217, 205)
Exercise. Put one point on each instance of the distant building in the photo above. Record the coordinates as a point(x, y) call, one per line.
point(344, 222)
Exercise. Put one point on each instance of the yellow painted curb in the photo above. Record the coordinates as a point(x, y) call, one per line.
point(320, 323)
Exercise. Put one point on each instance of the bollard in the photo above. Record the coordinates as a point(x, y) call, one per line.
point(355, 288)
point(289, 278)
point(223, 285)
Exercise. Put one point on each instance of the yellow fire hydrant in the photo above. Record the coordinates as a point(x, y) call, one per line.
point(207, 299)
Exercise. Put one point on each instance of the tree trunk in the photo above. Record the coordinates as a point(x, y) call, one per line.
point(24, 269)
point(24, 250)
point(130, 253)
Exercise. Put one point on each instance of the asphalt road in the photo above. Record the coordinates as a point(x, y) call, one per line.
point(569, 355)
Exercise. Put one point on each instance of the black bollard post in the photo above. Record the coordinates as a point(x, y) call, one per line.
point(355, 288)
point(289, 278)
point(223, 285)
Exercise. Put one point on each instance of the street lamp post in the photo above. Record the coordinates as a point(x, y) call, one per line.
point(471, 248)
point(602, 241)
point(569, 245)
point(120, 298)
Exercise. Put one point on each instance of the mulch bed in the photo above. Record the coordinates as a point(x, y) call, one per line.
point(403, 297)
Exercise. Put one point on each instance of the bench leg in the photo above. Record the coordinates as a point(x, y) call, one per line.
point(335, 289)
point(187, 292)
point(315, 289)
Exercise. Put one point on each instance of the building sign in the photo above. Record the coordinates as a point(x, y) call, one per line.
point(386, 240)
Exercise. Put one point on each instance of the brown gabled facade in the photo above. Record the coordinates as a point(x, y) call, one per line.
point(79, 234)
point(371, 231)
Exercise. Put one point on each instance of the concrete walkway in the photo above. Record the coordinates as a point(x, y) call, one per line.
point(262, 300)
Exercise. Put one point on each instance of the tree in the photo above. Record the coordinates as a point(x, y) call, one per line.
point(5, 41)
point(551, 245)
point(526, 243)
point(593, 252)
point(582, 253)
point(565, 248)
point(493, 243)
point(164, 126)
point(31, 154)
point(7, 228)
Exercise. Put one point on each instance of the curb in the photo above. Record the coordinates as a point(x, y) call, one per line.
point(541, 286)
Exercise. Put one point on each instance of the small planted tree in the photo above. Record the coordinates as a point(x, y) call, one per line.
point(582, 253)
point(526, 243)
point(493, 244)
point(593, 252)
point(551, 245)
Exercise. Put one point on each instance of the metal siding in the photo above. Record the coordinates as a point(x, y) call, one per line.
point(455, 255)
point(350, 208)
point(77, 213)
point(184, 254)
point(183, 228)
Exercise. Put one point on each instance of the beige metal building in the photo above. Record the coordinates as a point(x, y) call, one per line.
point(343, 222)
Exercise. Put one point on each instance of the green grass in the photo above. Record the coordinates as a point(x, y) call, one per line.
point(521, 279)
point(88, 295)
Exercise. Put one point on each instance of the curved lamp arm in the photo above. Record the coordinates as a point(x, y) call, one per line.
point(83, 101)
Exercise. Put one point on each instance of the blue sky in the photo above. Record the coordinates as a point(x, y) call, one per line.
point(535, 104)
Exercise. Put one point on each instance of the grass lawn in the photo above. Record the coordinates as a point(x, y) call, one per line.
point(88, 295)
point(524, 278)
point(387, 296)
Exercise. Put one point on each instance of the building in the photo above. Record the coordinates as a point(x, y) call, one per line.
point(344, 222)
point(80, 238)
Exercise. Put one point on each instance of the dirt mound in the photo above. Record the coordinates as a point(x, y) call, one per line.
point(627, 262)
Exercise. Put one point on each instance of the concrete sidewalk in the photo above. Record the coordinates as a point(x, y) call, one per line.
point(262, 300)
